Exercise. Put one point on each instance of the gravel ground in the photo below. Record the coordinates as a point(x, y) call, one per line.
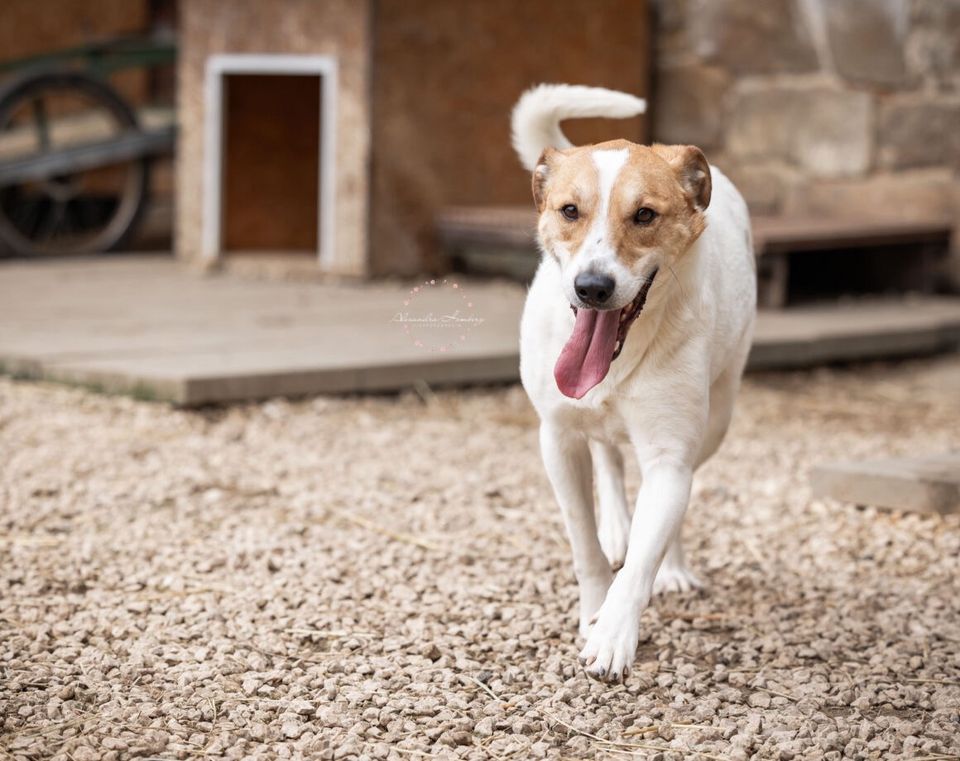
point(388, 578)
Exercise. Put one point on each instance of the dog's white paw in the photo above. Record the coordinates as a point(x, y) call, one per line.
point(613, 533)
point(675, 578)
point(612, 645)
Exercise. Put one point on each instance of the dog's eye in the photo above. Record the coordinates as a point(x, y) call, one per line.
point(570, 212)
point(644, 216)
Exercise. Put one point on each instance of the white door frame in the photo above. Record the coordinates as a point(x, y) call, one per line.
point(221, 65)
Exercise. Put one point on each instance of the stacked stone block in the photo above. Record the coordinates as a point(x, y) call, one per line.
point(840, 107)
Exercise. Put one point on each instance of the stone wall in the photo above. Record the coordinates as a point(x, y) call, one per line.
point(818, 106)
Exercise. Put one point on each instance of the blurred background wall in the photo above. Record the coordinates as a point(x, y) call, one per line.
point(445, 78)
point(425, 93)
point(31, 31)
point(835, 107)
point(339, 28)
point(841, 108)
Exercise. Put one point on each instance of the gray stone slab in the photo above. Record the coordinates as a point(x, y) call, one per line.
point(858, 330)
point(926, 484)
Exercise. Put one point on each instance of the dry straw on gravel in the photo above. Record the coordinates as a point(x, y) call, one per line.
point(388, 578)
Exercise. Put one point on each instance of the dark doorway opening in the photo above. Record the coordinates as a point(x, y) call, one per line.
point(271, 165)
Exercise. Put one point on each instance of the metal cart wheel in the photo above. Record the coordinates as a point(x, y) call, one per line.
point(76, 211)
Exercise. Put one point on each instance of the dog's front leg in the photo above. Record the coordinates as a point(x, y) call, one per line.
point(612, 644)
point(613, 515)
point(566, 457)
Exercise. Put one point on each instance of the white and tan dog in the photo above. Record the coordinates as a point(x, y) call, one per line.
point(635, 332)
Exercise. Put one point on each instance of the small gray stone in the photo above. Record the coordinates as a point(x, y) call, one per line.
point(302, 707)
point(292, 729)
point(484, 727)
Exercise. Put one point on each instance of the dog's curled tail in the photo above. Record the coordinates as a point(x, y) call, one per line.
point(535, 123)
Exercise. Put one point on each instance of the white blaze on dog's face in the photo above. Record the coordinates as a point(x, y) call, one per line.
point(612, 215)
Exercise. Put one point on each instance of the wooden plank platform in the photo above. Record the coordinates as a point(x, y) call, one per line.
point(145, 326)
point(923, 484)
point(148, 327)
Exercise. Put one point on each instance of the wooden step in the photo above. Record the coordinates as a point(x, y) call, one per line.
point(505, 226)
point(855, 330)
point(776, 239)
point(493, 226)
point(502, 239)
point(795, 234)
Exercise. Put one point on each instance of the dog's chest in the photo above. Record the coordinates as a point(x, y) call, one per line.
point(601, 421)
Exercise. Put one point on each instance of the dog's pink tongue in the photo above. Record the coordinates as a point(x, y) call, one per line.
point(586, 358)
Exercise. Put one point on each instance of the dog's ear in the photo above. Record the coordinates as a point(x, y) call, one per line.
point(540, 174)
point(692, 170)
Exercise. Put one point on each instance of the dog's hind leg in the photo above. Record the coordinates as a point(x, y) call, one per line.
point(566, 458)
point(674, 575)
point(723, 395)
point(613, 528)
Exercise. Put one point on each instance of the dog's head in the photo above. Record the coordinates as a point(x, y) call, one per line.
point(613, 215)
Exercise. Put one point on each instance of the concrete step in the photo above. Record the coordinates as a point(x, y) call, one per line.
point(853, 330)
point(920, 484)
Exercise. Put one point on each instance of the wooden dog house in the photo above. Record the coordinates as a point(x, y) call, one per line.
point(331, 132)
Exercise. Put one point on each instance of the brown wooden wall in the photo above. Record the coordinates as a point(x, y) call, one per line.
point(445, 76)
point(29, 28)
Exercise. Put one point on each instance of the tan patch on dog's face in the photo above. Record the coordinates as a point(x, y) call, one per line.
point(608, 184)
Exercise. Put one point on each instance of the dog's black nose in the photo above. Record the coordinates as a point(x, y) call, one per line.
point(594, 289)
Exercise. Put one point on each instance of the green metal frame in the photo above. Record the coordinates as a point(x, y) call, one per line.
point(85, 67)
point(103, 57)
